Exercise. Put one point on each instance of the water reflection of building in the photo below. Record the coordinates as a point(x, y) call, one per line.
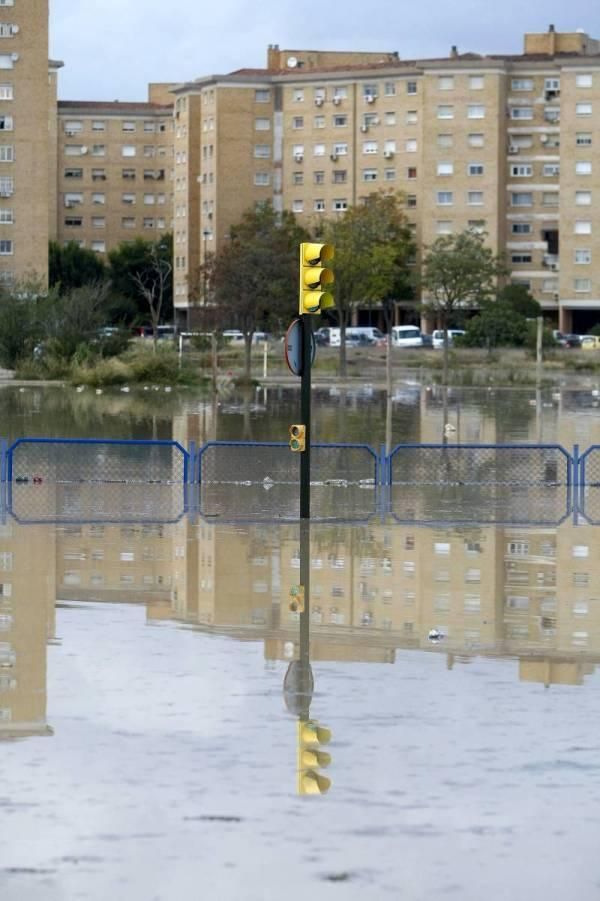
point(27, 621)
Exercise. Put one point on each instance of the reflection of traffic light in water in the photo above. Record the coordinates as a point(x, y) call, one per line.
point(298, 687)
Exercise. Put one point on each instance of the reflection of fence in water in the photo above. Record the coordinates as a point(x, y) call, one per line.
point(483, 483)
point(261, 481)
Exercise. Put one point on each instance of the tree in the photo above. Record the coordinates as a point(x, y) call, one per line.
point(135, 262)
point(503, 321)
point(21, 321)
point(72, 266)
point(154, 284)
point(253, 279)
point(373, 243)
point(458, 271)
point(73, 319)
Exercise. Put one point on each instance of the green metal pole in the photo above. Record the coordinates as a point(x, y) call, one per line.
point(305, 403)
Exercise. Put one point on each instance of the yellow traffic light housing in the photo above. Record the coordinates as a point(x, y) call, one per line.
point(315, 278)
point(297, 438)
point(297, 599)
point(311, 758)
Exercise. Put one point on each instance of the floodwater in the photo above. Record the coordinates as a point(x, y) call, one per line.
point(153, 677)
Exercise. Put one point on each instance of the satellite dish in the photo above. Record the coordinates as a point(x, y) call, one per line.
point(292, 62)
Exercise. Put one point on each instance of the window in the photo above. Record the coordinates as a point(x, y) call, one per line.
point(522, 84)
point(369, 146)
point(521, 198)
point(319, 122)
point(6, 123)
point(475, 140)
point(149, 199)
point(445, 169)
point(128, 174)
point(7, 186)
point(521, 228)
point(98, 246)
point(411, 172)
point(410, 146)
point(73, 173)
point(98, 222)
point(262, 124)
point(6, 248)
point(389, 174)
point(128, 150)
point(521, 112)
point(584, 80)
point(262, 178)
point(445, 140)
point(551, 169)
point(340, 149)
point(128, 126)
point(583, 198)
point(475, 111)
point(340, 121)
point(98, 175)
point(98, 198)
point(319, 150)
point(476, 82)
point(443, 227)
point(521, 141)
point(7, 61)
point(446, 83)
point(389, 88)
point(411, 117)
point(520, 258)
point(319, 206)
point(522, 170)
point(340, 177)
point(128, 198)
point(6, 92)
point(445, 112)
point(583, 167)
point(6, 216)
point(583, 285)
point(477, 225)
point(297, 178)
point(411, 201)
point(298, 95)
point(298, 122)
point(583, 139)
point(297, 206)
point(150, 127)
point(319, 177)
point(369, 90)
point(550, 198)
point(444, 198)
point(583, 227)
point(369, 174)
point(580, 550)
point(262, 96)
point(341, 92)
point(74, 150)
point(474, 198)
point(583, 256)
point(411, 87)
point(550, 285)
point(263, 151)
point(73, 221)
point(475, 169)
point(128, 222)
point(583, 109)
point(339, 205)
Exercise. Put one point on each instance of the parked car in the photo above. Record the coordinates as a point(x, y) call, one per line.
point(233, 336)
point(590, 342)
point(566, 340)
point(407, 336)
point(573, 340)
point(437, 337)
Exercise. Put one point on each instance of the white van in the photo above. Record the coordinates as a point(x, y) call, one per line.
point(438, 337)
point(406, 336)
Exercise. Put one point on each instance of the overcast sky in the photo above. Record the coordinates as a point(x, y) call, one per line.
point(112, 50)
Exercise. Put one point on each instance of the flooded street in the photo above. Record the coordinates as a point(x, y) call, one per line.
point(155, 676)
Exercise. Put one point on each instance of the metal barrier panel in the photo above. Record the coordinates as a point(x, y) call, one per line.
point(67, 480)
point(589, 484)
point(529, 484)
point(261, 481)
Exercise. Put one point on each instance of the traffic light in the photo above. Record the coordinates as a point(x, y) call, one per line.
point(297, 437)
point(315, 277)
point(311, 758)
point(297, 599)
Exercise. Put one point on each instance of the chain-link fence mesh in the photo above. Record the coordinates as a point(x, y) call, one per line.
point(262, 481)
point(589, 489)
point(96, 480)
point(452, 483)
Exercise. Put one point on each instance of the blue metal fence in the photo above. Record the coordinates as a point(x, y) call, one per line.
point(64, 478)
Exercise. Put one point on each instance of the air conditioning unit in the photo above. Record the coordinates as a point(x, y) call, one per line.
point(70, 132)
point(14, 29)
point(555, 267)
point(84, 150)
point(370, 98)
point(337, 101)
point(14, 57)
point(375, 121)
point(333, 157)
point(299, 157)
point(513, 148)
point(544, 139)
point(388, 154)
point(364, 129)
point(319, 101)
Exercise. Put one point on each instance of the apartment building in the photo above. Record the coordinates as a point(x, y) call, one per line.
point(114, 172)
point(27, 85)
point(501, 144)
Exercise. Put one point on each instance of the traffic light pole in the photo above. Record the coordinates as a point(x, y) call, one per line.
point(305, 405)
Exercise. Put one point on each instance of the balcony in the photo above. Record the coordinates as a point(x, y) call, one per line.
point(551, 261)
